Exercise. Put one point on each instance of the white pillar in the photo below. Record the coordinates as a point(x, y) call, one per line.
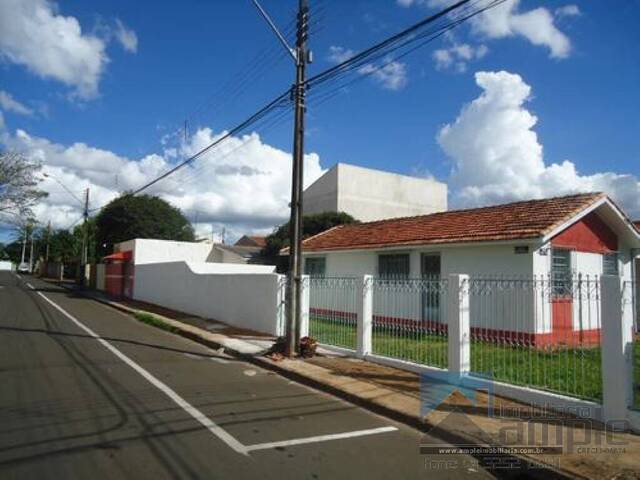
point(459, 334)
point(281, 295)
point(617, 347)
point(304, 305)
point(364, 289)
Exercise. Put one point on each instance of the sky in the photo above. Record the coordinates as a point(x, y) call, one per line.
point(530, 99)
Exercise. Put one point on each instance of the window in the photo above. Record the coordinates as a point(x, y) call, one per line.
point(315, 266)
point(393, 266)
point(561, 272)
point(430, 265)
point(610, 264)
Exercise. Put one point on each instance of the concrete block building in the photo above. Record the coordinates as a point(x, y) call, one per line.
point(370, 195)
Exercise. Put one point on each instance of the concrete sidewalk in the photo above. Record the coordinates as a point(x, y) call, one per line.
point(587, 451)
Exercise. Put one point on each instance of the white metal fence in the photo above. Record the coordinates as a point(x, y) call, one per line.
point(538, 332)
point(409, 320)
point(630, 298)
point(333, 310)
point(557, 335)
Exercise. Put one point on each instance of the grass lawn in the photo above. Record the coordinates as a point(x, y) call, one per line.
point(572, 371)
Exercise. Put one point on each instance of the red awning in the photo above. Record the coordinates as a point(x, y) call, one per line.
point(119, 256)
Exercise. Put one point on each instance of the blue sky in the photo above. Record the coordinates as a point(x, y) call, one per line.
point(553, 111)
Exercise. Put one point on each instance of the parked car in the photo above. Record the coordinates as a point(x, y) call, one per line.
point(23, 267)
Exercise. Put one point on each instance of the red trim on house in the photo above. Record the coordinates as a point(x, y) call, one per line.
point(119, 256)
point(589, 234)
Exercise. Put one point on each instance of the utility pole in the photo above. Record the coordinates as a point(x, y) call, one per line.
point(295, 222)
point(46, 256)
point(85, 237)
point(24, 245)
point(31, 251)
point(301, 57)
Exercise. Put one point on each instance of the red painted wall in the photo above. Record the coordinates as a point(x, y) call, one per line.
point(590, 234)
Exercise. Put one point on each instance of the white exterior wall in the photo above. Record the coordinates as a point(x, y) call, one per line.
point(156, 251)
point(476, 261)
point(369, 194)
point(245, 296)
point(6, 266)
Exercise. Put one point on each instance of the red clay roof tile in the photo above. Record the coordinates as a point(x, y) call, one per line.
point(512, 221)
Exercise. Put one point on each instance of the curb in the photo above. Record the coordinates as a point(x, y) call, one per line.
point(541, 471)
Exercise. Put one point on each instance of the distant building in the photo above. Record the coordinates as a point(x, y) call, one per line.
point(221, 253)
point(251, 241)
point(370, 195)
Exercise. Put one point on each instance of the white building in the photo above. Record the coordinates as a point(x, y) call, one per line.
point(560, 239)
point(369, 195)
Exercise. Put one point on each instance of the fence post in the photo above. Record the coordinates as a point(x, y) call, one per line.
point(617, 349)
point(304, 305)
point(364, 299)
point(459, 333)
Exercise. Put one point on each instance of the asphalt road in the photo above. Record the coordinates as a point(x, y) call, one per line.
point(142, 403)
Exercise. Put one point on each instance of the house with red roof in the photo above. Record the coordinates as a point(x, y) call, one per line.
point(563, 240)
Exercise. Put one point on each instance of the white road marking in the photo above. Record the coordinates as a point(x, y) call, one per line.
point(201, 417)
point(18, 275)
point(181, 402)
point(319, 438)
point(30, 286)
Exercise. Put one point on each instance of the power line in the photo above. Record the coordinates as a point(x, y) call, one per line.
point(253, 118)
point(357, 61)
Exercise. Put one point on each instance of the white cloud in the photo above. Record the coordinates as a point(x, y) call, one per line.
point(244, 184)
point(392, 75)
point(126, 37)
point(35, 35)
point(497, 155)
point(568, 11)
point(458, 55)
point(10, 104)
point(339, 54)
point(506, 20)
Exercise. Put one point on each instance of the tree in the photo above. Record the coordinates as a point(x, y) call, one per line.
point(63, 247)
point(92, 244)
point(311, 225)
point(18, 182)
point(139, 216)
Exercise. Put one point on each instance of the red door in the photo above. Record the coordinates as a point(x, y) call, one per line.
point(562, 296)
point(562, 319)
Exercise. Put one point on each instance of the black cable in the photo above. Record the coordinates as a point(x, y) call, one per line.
point(253, 118)
point(389, 41)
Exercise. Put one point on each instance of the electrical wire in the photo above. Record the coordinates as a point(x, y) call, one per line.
point(380, 50)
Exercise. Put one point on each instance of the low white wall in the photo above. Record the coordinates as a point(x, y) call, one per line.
point(210, 268)
point(155, 251)
point(6, 266)
point(244, 296)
